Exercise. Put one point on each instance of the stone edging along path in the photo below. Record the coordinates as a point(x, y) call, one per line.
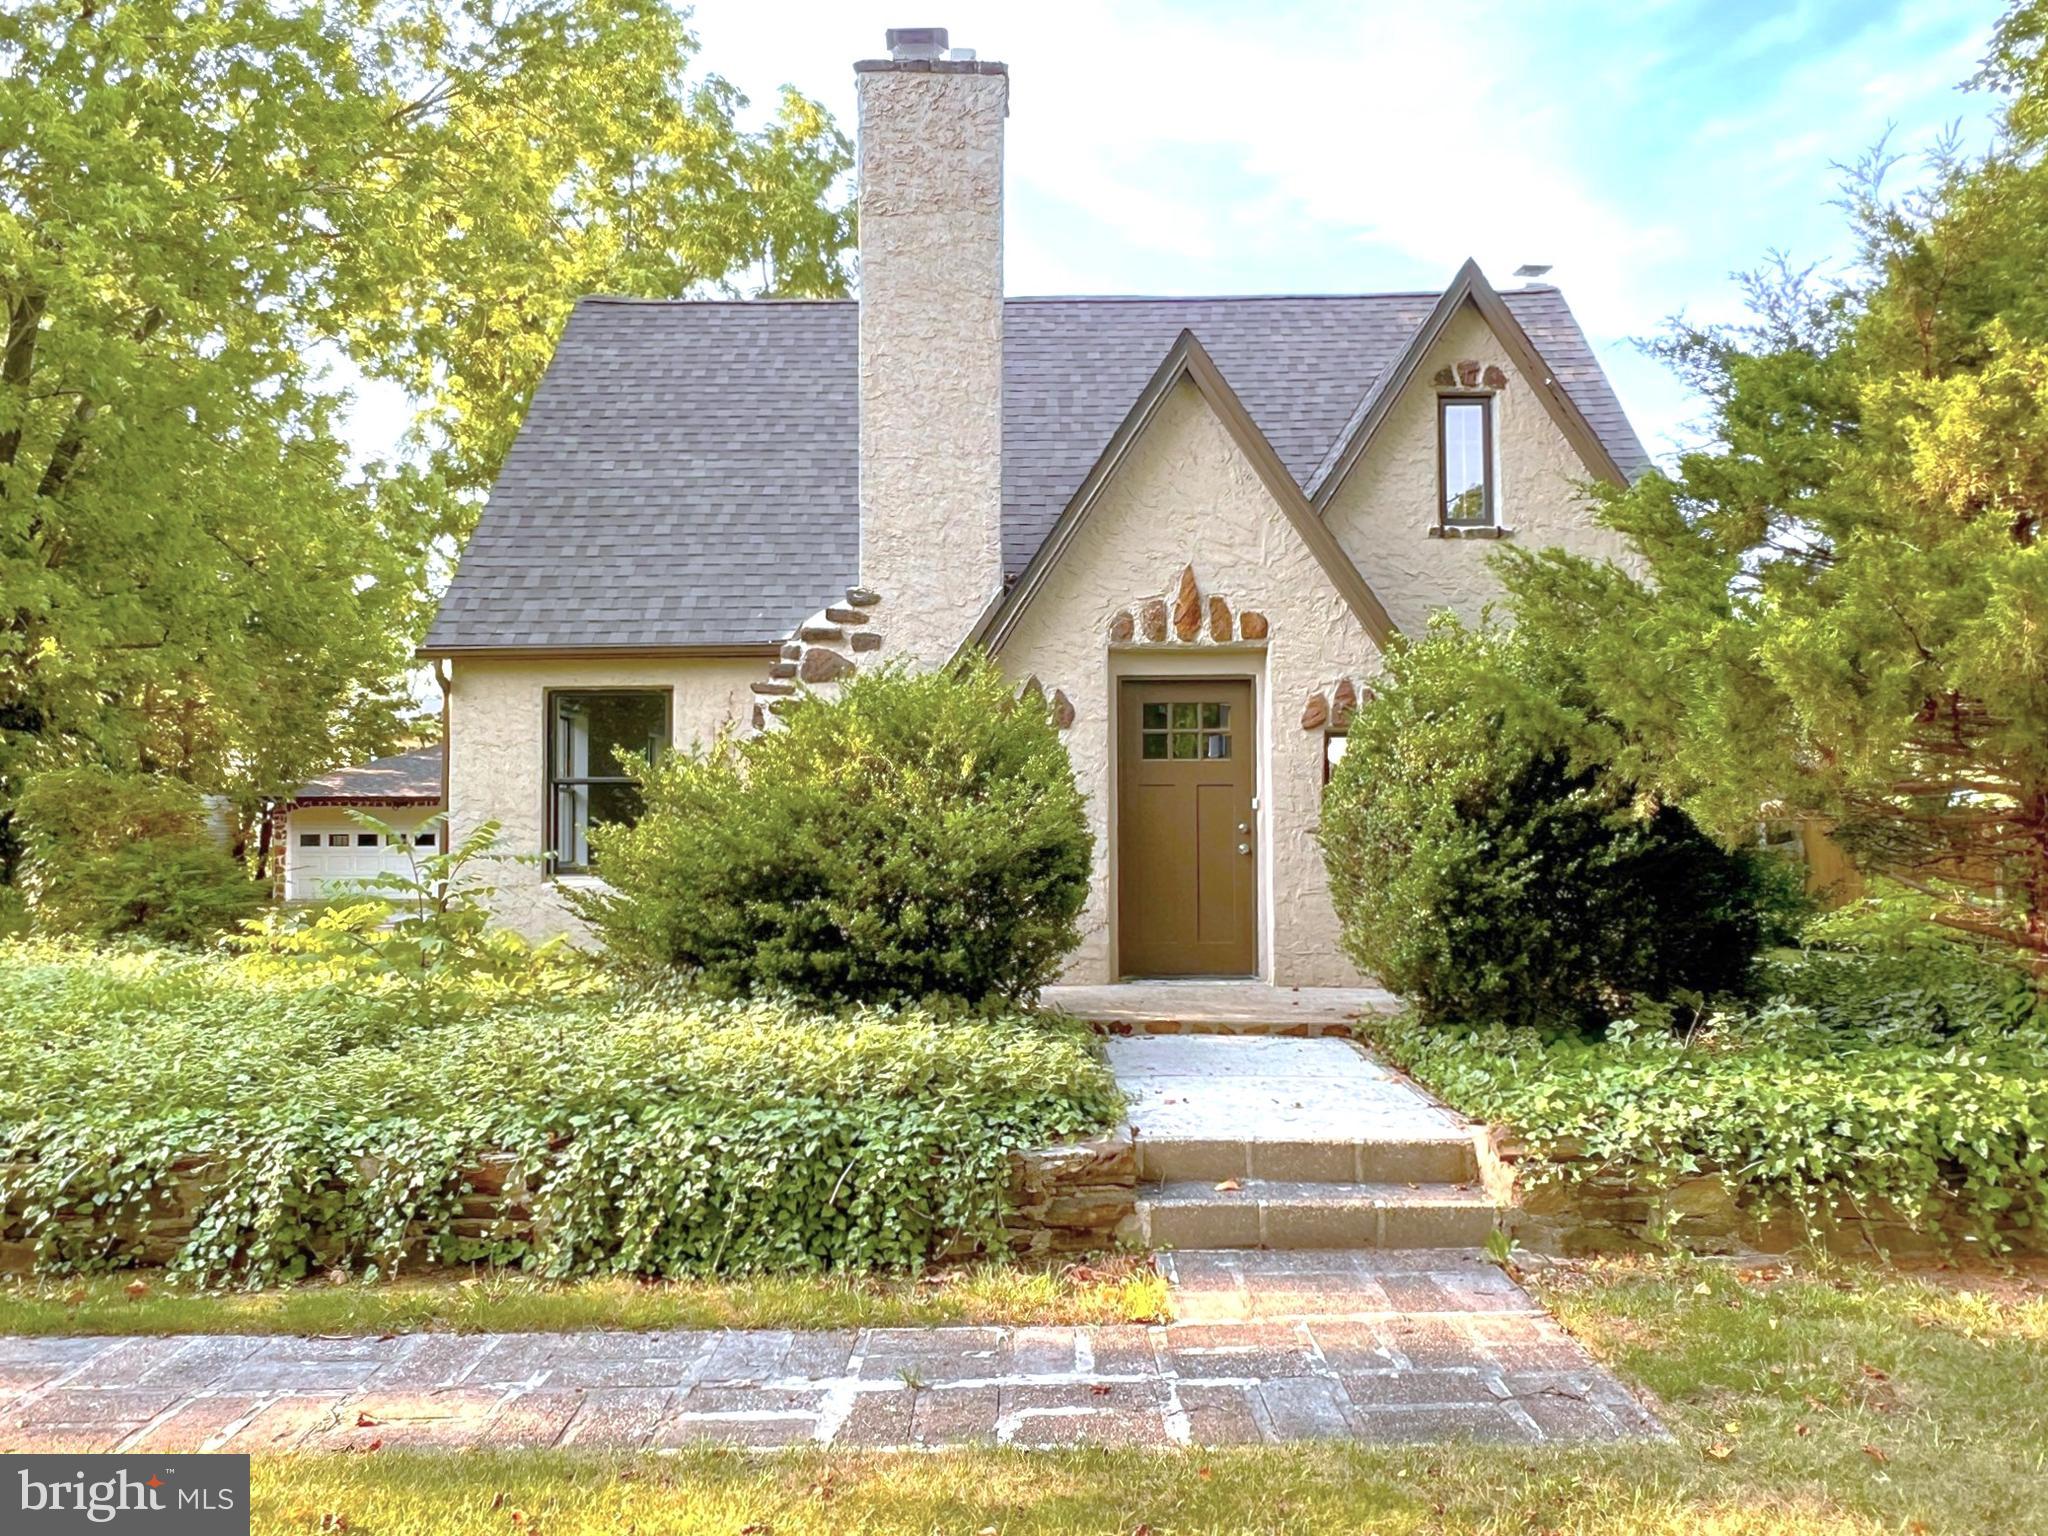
point(1382, 1347)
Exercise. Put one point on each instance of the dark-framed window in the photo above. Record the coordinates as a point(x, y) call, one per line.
point(337, 839)
point(1464, 461)
point(309, 839)
point(1334, 744)
point(587, 785)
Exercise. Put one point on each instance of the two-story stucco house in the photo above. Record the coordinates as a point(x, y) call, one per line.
point(1193, 524)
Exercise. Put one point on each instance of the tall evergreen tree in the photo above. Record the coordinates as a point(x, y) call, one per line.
point(1842, 603)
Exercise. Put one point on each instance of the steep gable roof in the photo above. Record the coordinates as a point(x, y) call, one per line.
point(1468, 288)
point(688, 474)
point(1188, 361)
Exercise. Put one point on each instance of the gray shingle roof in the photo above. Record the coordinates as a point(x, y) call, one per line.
point(403, 776)
point(688, 473)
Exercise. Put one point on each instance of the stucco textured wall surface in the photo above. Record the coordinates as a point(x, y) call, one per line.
point(931, 351)
point(1383, 512)
point(1185, 495)
point(497, 752)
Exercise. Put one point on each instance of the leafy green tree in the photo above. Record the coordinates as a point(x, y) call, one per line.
point(206, 203)
point(1842, 603)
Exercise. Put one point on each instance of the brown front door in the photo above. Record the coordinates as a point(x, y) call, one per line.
point(1187, 869)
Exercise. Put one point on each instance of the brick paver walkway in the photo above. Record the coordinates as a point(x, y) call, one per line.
point(1379, 1346)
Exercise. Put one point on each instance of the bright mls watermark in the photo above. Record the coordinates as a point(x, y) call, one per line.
point(162, 1495)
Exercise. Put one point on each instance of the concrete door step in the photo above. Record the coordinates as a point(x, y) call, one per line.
point(1280, 1029)
point(1446, 1158)
point(1269, 1213)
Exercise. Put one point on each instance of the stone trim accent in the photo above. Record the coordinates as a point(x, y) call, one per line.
point(1191, 618)
point(819, 653)
point(1333, 708)
point(1470, 374)
point(1059, 708)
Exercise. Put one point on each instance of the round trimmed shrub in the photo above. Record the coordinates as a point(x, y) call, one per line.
point(1486, 862)
point(918, 836)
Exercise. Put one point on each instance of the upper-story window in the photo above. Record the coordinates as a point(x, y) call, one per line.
point(1464, 442)
point(587, 784)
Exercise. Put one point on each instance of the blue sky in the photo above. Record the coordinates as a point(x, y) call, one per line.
point(1646, 150)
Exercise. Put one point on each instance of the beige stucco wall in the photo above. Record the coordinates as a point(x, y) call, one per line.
point(931, 349)
point(1382, 513)
point(497, 751)
point(1185, 495)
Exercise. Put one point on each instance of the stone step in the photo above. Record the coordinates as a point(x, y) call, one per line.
point(1450, 1158)
point(1265, 1213)
point(1281, 1029)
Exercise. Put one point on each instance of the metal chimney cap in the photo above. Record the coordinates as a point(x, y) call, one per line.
point(1528, 269)
point(917, 42)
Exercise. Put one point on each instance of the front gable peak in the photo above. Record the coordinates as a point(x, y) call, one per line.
point(1187, 361)
point(1469, 289)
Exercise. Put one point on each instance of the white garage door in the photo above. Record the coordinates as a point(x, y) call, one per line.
point(324, 850)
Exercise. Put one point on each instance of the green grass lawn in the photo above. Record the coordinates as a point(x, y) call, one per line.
point(1113, 1290)
point(1850, 1401)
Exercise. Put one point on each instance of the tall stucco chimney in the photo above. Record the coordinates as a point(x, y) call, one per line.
point(931, 338)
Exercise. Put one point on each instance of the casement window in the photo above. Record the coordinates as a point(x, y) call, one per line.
point(588, 786)
point(1464, 461)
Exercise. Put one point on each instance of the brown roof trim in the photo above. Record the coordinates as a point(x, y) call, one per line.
point(1188, 359)
point(1468, 287)
point(595, 652)
point(315, 802)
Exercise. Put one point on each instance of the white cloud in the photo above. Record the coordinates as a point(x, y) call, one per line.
point(1645, 151)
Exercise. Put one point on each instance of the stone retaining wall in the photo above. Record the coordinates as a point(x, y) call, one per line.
point(1609, 1208)
point(1062, 1199)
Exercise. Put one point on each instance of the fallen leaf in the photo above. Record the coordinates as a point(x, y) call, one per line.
point(1802, 1430)
point(1876, 1455)
point(364, 1421)
point(1229, 1184)
point(1720, 1450)
point(1703, 1289)
point(136, 1289)
point(1203, 1473)
point(1874, 1374)
point(498, 1499)
point(1099, 1390)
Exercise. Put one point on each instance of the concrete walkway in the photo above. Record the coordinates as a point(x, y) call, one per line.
point(1381, 1347)
point(1259, 1089)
